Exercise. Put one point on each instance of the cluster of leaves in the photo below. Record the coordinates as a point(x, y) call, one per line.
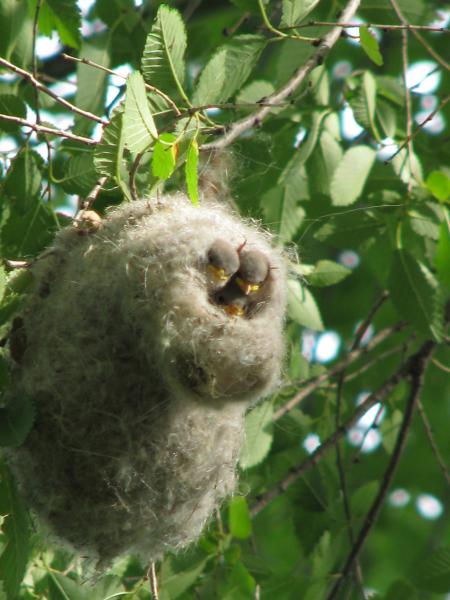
point(321, 195)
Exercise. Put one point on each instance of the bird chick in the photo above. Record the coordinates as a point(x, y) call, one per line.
point(237, 296)
point(231, 299)
point(253, 271)
point(223, 262)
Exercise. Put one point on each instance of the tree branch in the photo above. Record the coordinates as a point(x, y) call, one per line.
point(415, 369)
point(339, 462)
point(237, 128)
point(50, 130)
point(419, 38)
point(429, 433)
point(43, 88)
point(150, 88)
point(151, 574)
point(374, 25)
point(419, 127)
point(407, 106)
point(378, 396)
point(315, 383)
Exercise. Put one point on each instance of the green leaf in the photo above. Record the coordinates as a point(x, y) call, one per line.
point(25, 234)
point(400, 590)
point(411, 292)
point(228, 69)
point(239, 521)
point(254, 92)
point(302, 307)
point(370, 46)
point(442, 256)
point(23, 182)
point(81, 175)
point(351, 174)
point(239, 584)
point(424, 224)
point(387, 118)
point(14, 23)
point(281, 211)
point(191, 170)
point(439, 185)
point(66, 17)
point(91, 83)
point(16, 420)
point(108, 154)
point(65, 588)
point(362, 499)
point(258, 435)
point(12, 106)
point(363, 103)
point(322, 164)
point(15, 552)
point(163, 57)
point(109, 151)
point(327, 272)
point(178, 573)
point(294, 11)
point(273, 528)
point(408, 168)
point(139, 129)
point(433, 571)
point(291, 171)
point(164, 156)
point(389, 429)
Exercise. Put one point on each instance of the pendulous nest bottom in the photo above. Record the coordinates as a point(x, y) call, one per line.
point(142, 355)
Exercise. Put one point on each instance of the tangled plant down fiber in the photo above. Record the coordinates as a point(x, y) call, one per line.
point(141, 373)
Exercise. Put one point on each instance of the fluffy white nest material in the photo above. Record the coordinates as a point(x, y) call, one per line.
point(140, 379)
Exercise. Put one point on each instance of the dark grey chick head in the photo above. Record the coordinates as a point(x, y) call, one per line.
point(223, 262)
point(253, 271)
point(232, 299)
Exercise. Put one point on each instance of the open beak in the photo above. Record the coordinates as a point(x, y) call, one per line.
point(234, 310)
point(246, 286)
point(218, 273)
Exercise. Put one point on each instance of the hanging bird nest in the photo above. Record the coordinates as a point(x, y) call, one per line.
point(145, 340)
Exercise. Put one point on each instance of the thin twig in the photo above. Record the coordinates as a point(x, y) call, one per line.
point(36, 93)
point(415, 370)
point(229, 31)
point(87, 203)
point(294, 473)
point(408, 106)
point(315, 383)
point(419, 38)
point(50, 130)
point(439, 365)
point(374, 25)
point(429, 433)
point(238, 127)
point(153, 581)
point(360, 332)
point(374, 424)
point(376, 360)
point(419, 127)
point(363, 327)
point(278, 32)
point(43, 88)
point(34, 57)
point(150, 88)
